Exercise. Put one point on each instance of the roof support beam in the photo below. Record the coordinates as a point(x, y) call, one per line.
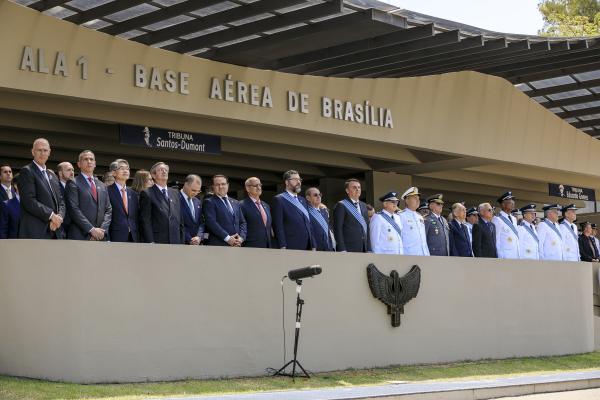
point(579, 113)
point(102, 11)
point(44, 5)
point(365, 59)
point(587, 123)
point(567, 87)
point(571, 101)
point(278, 21)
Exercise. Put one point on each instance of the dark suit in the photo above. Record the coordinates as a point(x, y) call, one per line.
point(292, 227)
point(460, 242)
point(322, 238)
point(160, 219)
point(67, 221)
point(258, 234)
point(85, 212)
point(587, 248)
point(220, 222)
point(349, 233)
point(192, 226)
point(4, 195)
point(124, 225)
point(484, 239)
point(39, 199)
point(10, 214)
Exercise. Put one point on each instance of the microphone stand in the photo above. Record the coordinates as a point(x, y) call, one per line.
point(295, 362)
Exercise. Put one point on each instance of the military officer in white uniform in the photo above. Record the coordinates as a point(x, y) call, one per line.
point(528, 237)
point(569, 234)
point(414, 238)
point(549, 235)
point(385, 227)
point(507, 235)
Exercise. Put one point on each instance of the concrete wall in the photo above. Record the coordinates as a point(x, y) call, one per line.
point(105, 312)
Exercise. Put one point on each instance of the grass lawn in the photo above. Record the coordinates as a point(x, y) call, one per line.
point(18, 388)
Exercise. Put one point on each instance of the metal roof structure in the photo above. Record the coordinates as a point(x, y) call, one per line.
point(352, 38)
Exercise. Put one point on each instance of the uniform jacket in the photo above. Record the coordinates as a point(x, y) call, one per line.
point(414, 237)
point(385, 239)
point(551, 242)
point(529, 247)
point(570, 241)
point(85, 212)
point(122, 223)
point(160, 219)
point(507, 239)
point(349, 232)
point(437, 235)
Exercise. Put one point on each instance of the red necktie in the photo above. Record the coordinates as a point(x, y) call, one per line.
point(93, 187)
point(124, 198)
point(263, 214)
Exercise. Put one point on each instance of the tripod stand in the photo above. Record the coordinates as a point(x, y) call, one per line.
point(295, 362)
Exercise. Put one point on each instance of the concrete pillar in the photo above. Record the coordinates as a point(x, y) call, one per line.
point(379, 183)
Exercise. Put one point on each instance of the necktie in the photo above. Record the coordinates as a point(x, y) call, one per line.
point(54, 198)
point(124, 198)
point(263, 214)
point(164, 192)
point(9, 193)
point(191, 205)
point(228, 204)
point(93, 187)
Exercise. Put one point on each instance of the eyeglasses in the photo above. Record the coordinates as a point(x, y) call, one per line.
point(295, 179)
point(258, 185)
point(317, 195)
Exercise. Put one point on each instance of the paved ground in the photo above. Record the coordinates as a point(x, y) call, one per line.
point(493, 388)
point(590, 394)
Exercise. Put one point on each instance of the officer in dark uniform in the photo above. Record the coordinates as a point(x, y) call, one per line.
point(436, 227)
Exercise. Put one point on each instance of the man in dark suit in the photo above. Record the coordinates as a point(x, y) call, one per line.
point(351, 221)
point(223, 218)
point(460, 241)
point(257, 214)
point(66, 173)
point(7, 191)
point(291, 221)
point(319, 219)
point(42, 206)
point(587, 245)
point(88, 204)
point(191, 210)
point(160, 209)
point(10, 214)
point(484, 233)
point(125, 205)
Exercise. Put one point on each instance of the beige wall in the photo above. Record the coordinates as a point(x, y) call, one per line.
point(97, 312)
point(463, 113)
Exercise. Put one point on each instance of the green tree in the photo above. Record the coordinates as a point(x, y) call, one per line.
point(570, 17)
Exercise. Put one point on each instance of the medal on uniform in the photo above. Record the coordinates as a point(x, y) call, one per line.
point(553, 243)
point(509, 239)
point(437, 231)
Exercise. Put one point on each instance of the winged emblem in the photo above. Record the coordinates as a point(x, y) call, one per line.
point(394, 291)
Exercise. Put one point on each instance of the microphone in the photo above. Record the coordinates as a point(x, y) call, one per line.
point(306, 272)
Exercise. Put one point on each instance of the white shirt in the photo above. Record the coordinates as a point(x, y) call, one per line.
point(384, 237)
point(507, 241)
point(528, 244)
point(551, 244)
point(414, 238)
point(570, 241)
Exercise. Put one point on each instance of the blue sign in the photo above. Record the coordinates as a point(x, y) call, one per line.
point(169, 139)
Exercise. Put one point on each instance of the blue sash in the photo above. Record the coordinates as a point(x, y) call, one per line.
point(320, 219)
point(509, 223)
point(572, 232)
point(391, 222)
point(531, 232)
point(354, 211)
point(551, 225)
point(296, 203)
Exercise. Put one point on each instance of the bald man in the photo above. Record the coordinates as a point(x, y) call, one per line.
point(42, 206)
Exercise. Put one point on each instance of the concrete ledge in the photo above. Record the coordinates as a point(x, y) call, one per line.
point(458, 390)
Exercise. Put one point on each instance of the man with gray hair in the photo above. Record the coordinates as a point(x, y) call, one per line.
point(42, 206)
point(125, 205)
point(484, 233)
point(160, 209)
point(88, 204)
point(460, 241)
point(191, 210)
point(258, 216)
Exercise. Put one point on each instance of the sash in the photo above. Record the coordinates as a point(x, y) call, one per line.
point(296, 203)
point(354, 211)
point(554, 228)
point(571, 230)
point(509, 223)
point(320, 219)
point(391, 222)
point(531, 232)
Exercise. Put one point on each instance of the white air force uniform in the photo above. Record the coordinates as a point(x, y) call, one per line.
point(570, 241)
point(384, 237)
point(528, 241)
point(414, 238)
point(507, 239)
point(551, 241)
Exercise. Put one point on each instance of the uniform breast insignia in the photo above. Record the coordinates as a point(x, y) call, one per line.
point(394, 291)
point(527, 251)
point(553, 243)
point(509, 239)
